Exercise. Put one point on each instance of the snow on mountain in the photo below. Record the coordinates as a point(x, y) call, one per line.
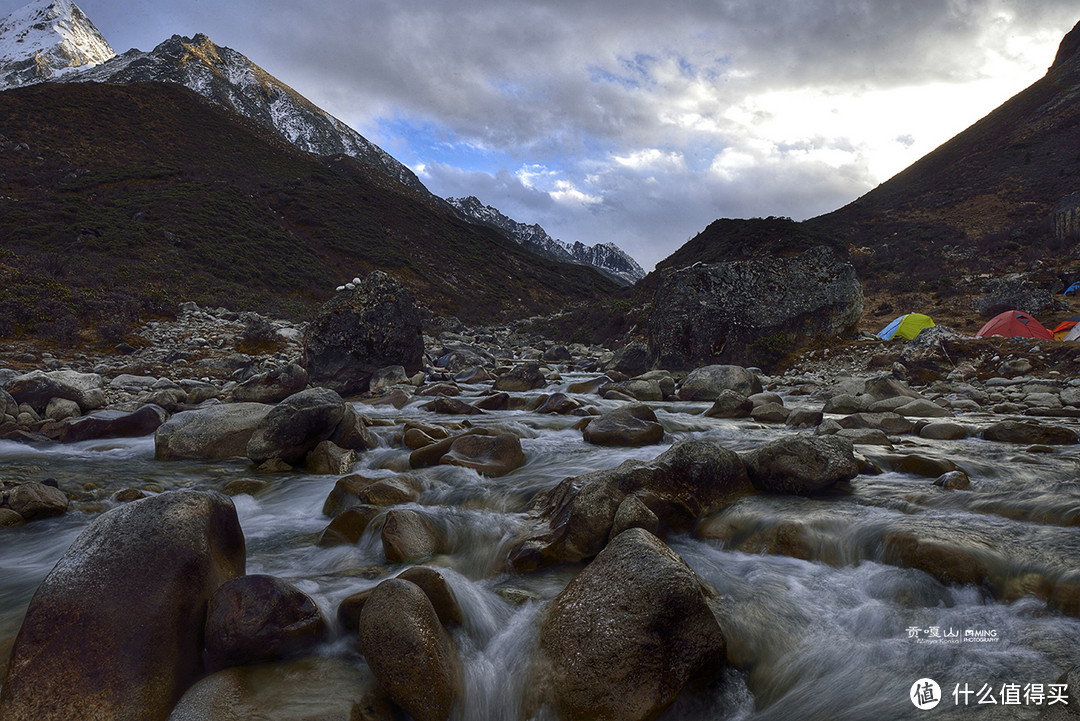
point(45, 39)
point(229, 78)
point(607, 257)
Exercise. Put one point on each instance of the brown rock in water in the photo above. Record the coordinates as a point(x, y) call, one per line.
point(115, 630)
point(211, 433)
point(491, 456)
point(409, 651)
point(801, 464)
point(431, 582)
point(627, 634)
point(296, 425)
point(730, 404)
point(430, 455)
point(329, 459)
point(272, 386)
point(633, 425)
point(348, 526)
point(114, 424)
point(258, 618)
point(36, 500)
point(407, 537)
point(576, 518)
point(357, 490)
point(1029, 433)
point(524, 377)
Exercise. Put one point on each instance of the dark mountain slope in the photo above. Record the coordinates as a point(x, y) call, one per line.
point(117, 200)
point(985, 195)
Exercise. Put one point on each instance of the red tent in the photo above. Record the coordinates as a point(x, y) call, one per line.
point(1014, 323)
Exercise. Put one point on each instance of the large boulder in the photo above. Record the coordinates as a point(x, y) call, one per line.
point(37, 388)
point(752, 312)
point(575, 519)
point(801, 464)
point(296, 425)
point(409, 651)
point(114, 424)
point(258, 618)
point(626, 635)
point(1030, 433)
point(272, 386)
point(709, 382)
point(633, 425)
point(211, 433)
point(360, 331)
point(491, 456)
point(34, 500)
point(1017, 293)
point(115, 630)
point(520, 378)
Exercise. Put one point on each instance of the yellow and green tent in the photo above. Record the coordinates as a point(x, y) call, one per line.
point(906, 326)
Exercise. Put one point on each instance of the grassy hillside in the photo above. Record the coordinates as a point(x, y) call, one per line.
point(119, 201)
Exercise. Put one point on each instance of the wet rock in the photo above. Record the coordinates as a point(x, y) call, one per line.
point(524, 377)
point(210, 433)
point(920, 465)
point(557, 354)
point(883, 387)
point(312, 688)
point(439, 389)
point(37, 388)
point(259, 618)
point(805, 418)
point(943, 431)
point(296, 425)
point(730, 404)
point(352, 432)
point(34, 500)
point(494, 402)
point(770, 413)
point(386, 377)
point(348, 526)
point(633, 513)
point(272, 386)
point(575, 519)
point(242, 486)
point(1029, 433)
point(442, 597)
point(559, 403)
point(329, 459)
point(60, 409)
point(431, 455)
point(947, 561)
point(415, 438)
point(462, 357)
point(865, 436)
point(492, 456)
point(128, 495)
point(708, 382)
point(409, 651)
point(361, 331)
point(953, 481)
point(453, 407)
point(8, 517)
point(627, 634)
point(633, 425)
point(359, 490)
point(114, 424)
point(718, 313)
point(632, 359)
point(801, 464)
point(409, 537)
point(890, 423)
point(922, 408)
point(83, 650)
point(641, 390)
point(846, 404)
point(589, 386)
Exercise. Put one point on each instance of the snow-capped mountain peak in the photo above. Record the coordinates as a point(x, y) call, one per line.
point(606, 257)
point(47, 38)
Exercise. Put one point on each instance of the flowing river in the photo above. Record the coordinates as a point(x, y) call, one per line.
point(830, 627)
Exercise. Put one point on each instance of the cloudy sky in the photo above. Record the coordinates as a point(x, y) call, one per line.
point(634, 121)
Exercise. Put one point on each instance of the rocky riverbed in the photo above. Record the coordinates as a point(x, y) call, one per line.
point(516, 528)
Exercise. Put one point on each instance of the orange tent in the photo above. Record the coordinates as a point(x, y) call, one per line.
point(1062, 329)
point(1013, 323)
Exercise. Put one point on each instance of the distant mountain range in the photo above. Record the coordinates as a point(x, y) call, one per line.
point(53, 40)
point(608, 257)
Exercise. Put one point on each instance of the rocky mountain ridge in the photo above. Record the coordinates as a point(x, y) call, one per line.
point(607, 257)
point(47, 39)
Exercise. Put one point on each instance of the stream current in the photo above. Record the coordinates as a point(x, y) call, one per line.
point(831, 631)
